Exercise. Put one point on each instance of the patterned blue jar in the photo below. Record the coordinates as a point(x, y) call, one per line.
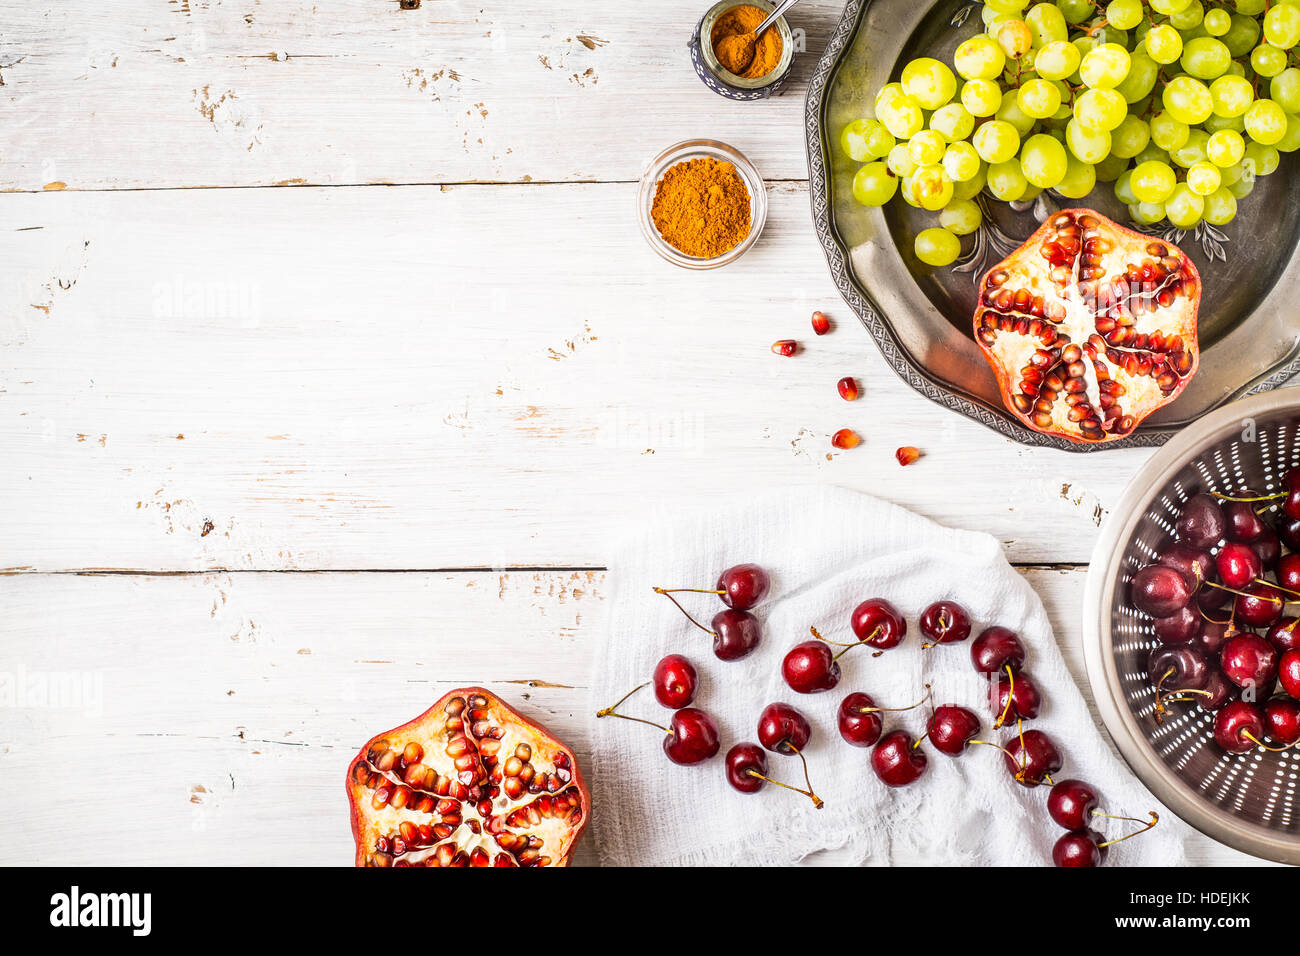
point(725, 83)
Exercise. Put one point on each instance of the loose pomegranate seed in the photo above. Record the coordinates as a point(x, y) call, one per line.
point(846, 438)
point(848, 389)
point(821, 323)
point(786, 347)
point(907, 454)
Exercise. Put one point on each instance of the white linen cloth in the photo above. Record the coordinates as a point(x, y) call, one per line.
point(828, 549)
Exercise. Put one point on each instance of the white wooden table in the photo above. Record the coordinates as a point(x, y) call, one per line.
point(330, 352)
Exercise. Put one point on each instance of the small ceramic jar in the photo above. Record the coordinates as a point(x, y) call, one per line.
point(725, 83)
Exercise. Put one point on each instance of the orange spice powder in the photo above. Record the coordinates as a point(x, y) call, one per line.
point(701, 207)
point(738, 50)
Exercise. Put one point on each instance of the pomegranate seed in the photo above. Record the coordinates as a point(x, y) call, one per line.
point(846, 438)
point(786, 347)
point(907, 454)
point(821, 323)
point(848, 389)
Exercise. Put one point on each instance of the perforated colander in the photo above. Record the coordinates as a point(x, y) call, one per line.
point(1248, 801)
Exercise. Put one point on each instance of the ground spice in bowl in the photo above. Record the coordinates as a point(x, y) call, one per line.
point(701, 207)
point(736, 47)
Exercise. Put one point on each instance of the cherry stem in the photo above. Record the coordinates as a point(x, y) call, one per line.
point(611, 711)
point(1273, 750)
point(1280, 494)
point(848, 646)
point(1160, 695)
point(917, 742)
point(817, 801)
point(943, 623)
point(1224, 587)
point(1155, 818)
point(1011, 694)
point(669, 596)
point(896, 710)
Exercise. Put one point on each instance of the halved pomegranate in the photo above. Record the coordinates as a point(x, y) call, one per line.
point(467, 783)
point(1089, 327)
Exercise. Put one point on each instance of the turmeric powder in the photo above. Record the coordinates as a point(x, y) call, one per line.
point(701, 207)
point(736, 47)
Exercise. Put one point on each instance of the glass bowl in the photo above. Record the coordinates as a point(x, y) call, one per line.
point(699, 149)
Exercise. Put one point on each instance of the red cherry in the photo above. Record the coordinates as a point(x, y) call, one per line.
point(1218, 690)
point(1249, 661)
point(1243, 525)
point(1259, 605)
point(859, 720)
point(782, 729)
point(1236, 724)
point(1022, 695)
point(996, 649)
point(896, 761)
point(1282, 720)
point(735, 634)
point(1079, 848)
point(743, 586)
point(952, 728)
point(1195, 565)
point(1238, 565)
point(1159, 590)
point(693, 737)
point(1288, 572)
point(1071, 803)
point(675, 681)
point(1285, 634)
point(1268, 548)
point(1291, 482)
point(747, 772)
point(1031, 758)
point(1289, 672)
point(810, 667)
point(1179, 628)
point(1211, 637)
point(945, 622)
point(878, 623)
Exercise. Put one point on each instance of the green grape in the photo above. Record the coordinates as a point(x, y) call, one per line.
point(937, 247)
point(1123, 190)
point(981, 97)
point(1007, 7)
point(1163, 43)
point(1089, 145)
point(1231, 95)
point(1147, 213)
point(927, 147)
point(1217, 22)
point(900, 161)
point(1236, 68)
point(1141, 80)
point(1192, 151)
point(1267, 60)
point(1167, 132)
point(866, 139)
point(901, 115)
point(1038, 98)
point(1124, 14)
point(1030, 194)
point(1214, 122)
point(1266, 121)
point(1205, 58)
point(979, 58)
point(1282, 25)
point(1006, 180)
point(953, 121)
point(1105, 67)
point(1284, 90)
point(1043, 160)
point(929, 82)
point(905, 190)
point(1188, 100)
point(874, 184)
point(1057, 60)
point(888, 93)
point(1262, 158)
point(1076, 11)
point(1014, 36)
point(1101, 109)
point(1010, 112)
point(996, 141)
point(1225, 148)
point(961, 217)
point(970, 188)
point(1109, 169)
point(1080, 178)
point(1153, 181)
point(1242, 35)
point(1169, 7)
point(1184, 208)
point(1233, 173)
point(1130, 137)
point(1204, 178)
point(1290, 140)
point(961, 162)
point(1047, 23)
point(931, 187)
point(1243, 187)
point(1220, 207)
point(1250, 7)
point(1084, 44)
point(1152, 154)
point(1188, 18)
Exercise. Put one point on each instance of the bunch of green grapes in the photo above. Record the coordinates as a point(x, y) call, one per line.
point(1180, 104)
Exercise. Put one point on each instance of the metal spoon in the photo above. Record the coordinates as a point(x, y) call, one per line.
point(776, 14)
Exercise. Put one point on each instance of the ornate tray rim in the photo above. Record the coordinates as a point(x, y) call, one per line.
point(875, 322)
